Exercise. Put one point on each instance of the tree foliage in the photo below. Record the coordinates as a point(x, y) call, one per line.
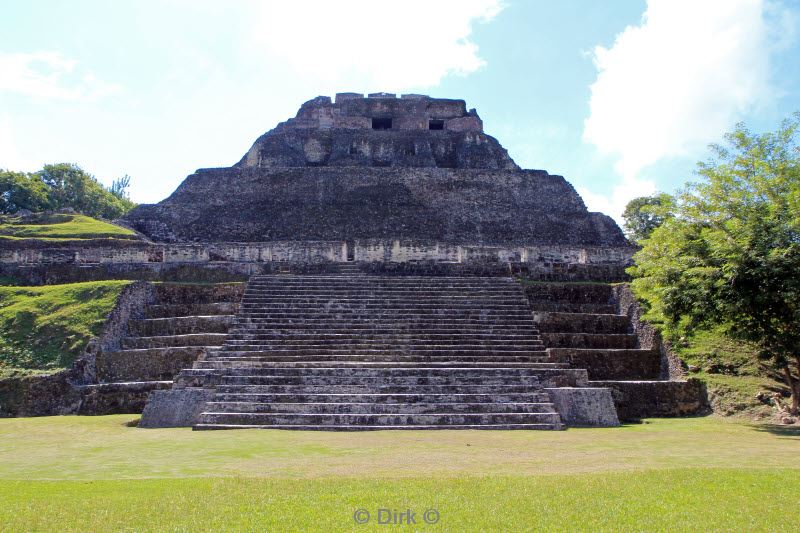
point(730, 255)
point(63, 186)
point(644, 214)
point(19, 190)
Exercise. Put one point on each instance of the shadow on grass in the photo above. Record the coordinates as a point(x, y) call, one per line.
point(780, 430)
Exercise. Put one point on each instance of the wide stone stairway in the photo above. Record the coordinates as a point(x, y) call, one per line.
point(350, 352)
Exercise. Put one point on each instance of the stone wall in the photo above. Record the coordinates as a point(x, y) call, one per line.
point(367, 250)
point(439, 205)
point(380, 130)
point(644, 399)
point(649, 338)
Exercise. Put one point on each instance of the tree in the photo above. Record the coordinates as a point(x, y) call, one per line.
point(730, 255)
point(644, 214)
point(19, 190)
point(69, 186)
point(119, 187)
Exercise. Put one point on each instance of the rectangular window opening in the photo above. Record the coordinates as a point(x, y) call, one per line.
point(436, 125)
point(381, 123)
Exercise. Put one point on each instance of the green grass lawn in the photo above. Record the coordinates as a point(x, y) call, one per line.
point(97, 474)
point(60, 227)
point(46, 328)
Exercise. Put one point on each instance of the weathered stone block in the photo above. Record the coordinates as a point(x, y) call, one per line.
point(174, 408)
point(644, 399)
point(584, 406)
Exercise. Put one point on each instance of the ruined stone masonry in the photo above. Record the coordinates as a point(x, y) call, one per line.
point(401, 272)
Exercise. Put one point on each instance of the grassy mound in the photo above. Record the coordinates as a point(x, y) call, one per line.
point(60, 227)
point(737, 384)
point(46, 328)
point(97, 474)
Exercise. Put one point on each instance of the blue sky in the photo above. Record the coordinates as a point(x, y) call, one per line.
point(622, 97)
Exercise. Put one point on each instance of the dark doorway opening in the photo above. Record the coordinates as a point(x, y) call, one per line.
point(351, 250)
point(381, 123)
point(436, 125)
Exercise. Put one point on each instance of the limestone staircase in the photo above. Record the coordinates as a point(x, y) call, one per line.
point(354, 352)
point(579, 325)
point(183, 322)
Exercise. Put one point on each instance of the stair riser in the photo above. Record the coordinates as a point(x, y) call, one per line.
point(351, 427)
point(335, 360)
point(392, 355)
point(592, 341)
point(379, 399)
point(295, 328)
point(133, 343)
point(510, 373)
point(184, 310)
point(380, 419)
point(312, 338)
point(402, 347)
point(382, 381)
point(359, 363)
point(378, 408)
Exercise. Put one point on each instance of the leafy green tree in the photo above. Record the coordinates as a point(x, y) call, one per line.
point(19, 190)
point(731, 254)
point(644, 214)
point(69, 186)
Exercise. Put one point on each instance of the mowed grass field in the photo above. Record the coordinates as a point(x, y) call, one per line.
point(98, 474)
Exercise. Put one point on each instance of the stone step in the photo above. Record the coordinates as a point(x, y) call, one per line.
point(150, 327)
point(394, 419)
point(451, 370)
point(570, 307)
point(118, 397)
point(379, 399)
point(374, 347)
point(184, 310)
point(392, 281)
point(584, 293)
point(356, 342)
point(395, 329)
point(250, 306)
point(435, 338)
point(611, 364)
point(370, 407)
point(336, 388)
point(214, 361)
point(581, 323)
point(590, 340)
point(386, 427)
point(191, 293)
point(382, 381)
point(367, 321)
point(151, 364)
point(389, 314)
point(382, 362)
point(313, 294)
point(317, 290)
point(164, 341)
point(291, 297)
point(431, 351)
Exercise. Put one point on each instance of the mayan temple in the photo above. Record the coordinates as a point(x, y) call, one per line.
point(401, 272)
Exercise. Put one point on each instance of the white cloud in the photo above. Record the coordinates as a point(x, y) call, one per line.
point(10, 158)
point(49, 75)
point(373, 45)
point(675, 83)
point(613, 203)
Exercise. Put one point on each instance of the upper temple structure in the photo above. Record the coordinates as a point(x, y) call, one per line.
point(377, 168)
